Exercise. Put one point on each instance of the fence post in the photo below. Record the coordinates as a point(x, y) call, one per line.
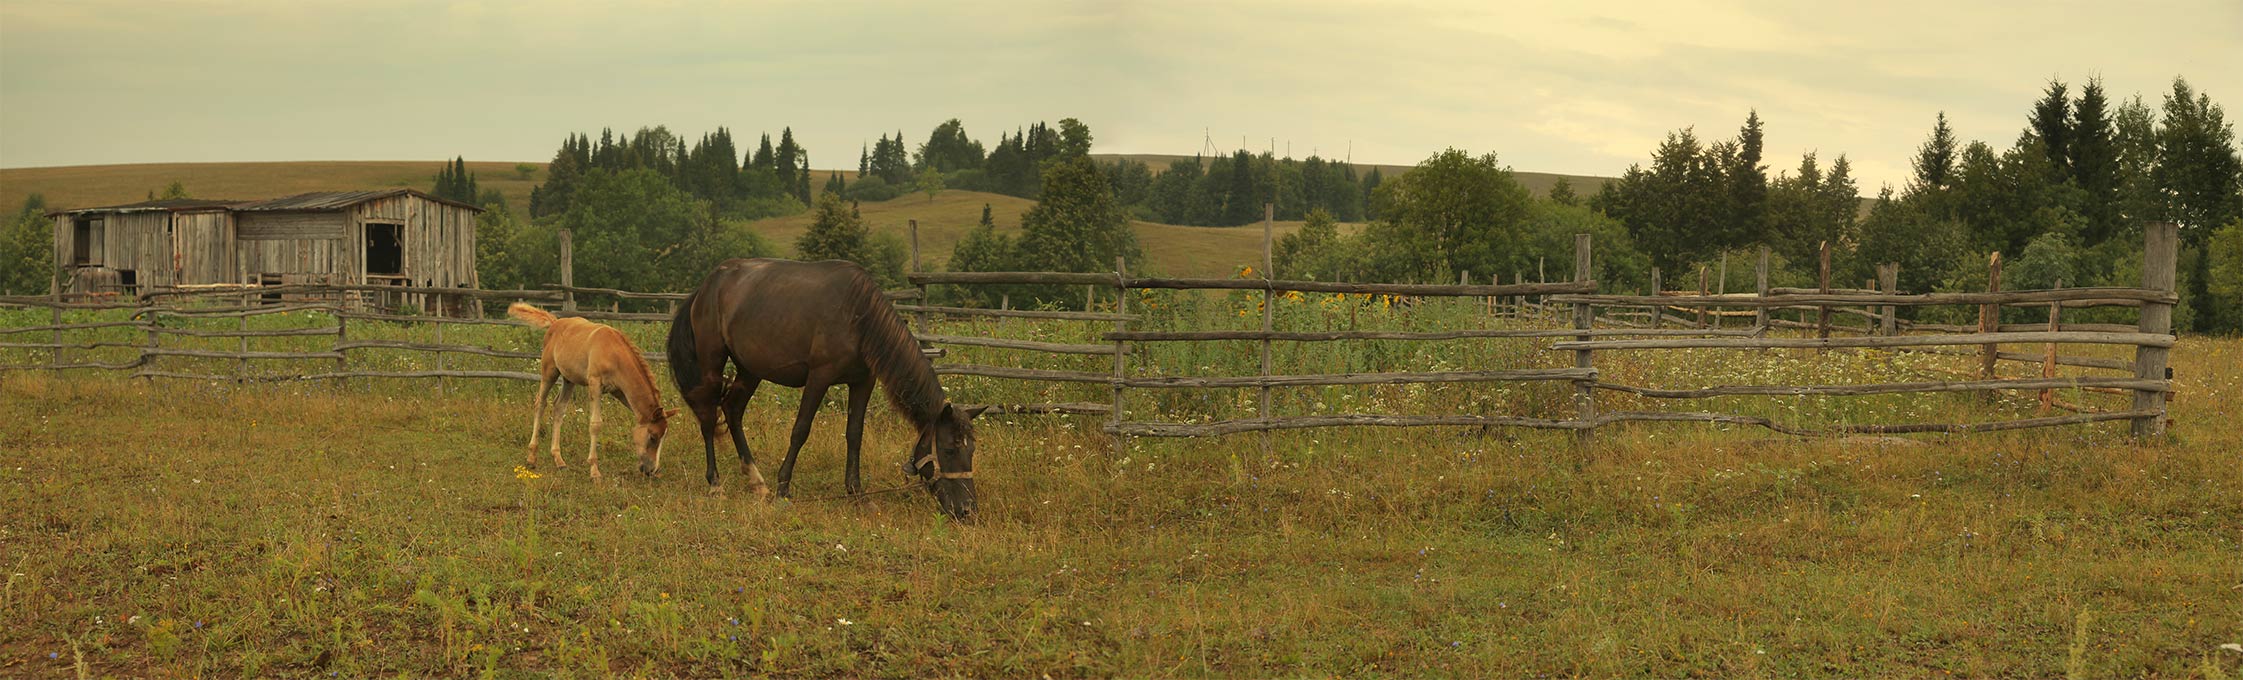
point(2159, 249)
point(1721, 287)
point(1584, 316)
point(241, 366)
point(1121, 310)
point(1990, 319)
point(1822, 283)
point(443, 383)
point(342, 334)
point(919, 318)
point(568, 273)
point(1702, 291)
point(1269, 317)
point(54, 358)
point(1519, 301)
point(1760, 287)
point(2048, 359)
point(147, 357)
point(1541, 302)
point(1888, 280)
point(1658, 311)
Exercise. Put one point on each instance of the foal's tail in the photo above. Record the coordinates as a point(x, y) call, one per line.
point(537, 317)
point(685, 360)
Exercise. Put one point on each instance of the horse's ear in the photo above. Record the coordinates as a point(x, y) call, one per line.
point(672, 413)
point(974, 412)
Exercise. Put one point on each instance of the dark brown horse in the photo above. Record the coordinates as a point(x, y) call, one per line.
point(813, 325)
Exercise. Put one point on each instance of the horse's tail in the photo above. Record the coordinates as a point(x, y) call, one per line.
point(685, 360)
point(536, 317)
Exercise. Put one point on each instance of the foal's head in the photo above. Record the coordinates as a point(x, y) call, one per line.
point(646, 438)
point(944, 457)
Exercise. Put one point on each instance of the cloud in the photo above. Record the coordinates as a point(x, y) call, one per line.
point(1565, 87)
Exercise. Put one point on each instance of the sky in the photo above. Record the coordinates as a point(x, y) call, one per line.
point(1568, 87)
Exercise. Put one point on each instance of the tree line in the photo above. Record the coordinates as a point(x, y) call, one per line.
point(2065, 201)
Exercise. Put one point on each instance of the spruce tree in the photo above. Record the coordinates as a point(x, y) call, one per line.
point(2051, 124)
point(1935, 159)
point(2095, 163)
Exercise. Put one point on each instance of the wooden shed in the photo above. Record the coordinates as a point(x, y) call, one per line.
point(389, 237)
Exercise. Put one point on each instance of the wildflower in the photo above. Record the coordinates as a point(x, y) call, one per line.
point(845, 622)
point(524, 473)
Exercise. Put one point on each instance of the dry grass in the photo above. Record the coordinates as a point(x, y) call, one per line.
point(184, 530)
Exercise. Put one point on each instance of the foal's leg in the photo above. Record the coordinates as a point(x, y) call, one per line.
point(735, 406)
point(592, 390)
point(537, 413)
point(813, 394)
point(860, 395)
point(560, 404)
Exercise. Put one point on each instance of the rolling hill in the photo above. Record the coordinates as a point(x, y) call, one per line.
point(1169, 249)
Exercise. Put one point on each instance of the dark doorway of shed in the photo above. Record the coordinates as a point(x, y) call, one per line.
point(385, 249)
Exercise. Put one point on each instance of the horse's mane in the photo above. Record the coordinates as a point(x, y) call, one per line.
point(893, 354)
point(646, 373)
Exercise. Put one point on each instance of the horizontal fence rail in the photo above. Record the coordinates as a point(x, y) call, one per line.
point(1569, 322)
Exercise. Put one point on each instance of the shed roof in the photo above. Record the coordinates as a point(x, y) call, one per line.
point(337, 200)
point(311, 202)
point(161, 204)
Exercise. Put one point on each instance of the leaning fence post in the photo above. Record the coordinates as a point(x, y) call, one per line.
point(1760, 287)
point(1121, 352)
point(1990, 319)
point(1269, 318)
point(2159, 248)
point(1584, 316)
point(568, 273)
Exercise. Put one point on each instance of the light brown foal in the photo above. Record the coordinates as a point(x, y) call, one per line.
point(603, 361)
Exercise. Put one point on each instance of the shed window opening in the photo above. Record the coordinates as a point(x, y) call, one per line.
point(86, 241)
point(385, 249)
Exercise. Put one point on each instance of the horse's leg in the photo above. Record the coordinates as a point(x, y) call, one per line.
point(860, 396)
point(735, 406)
point(592, 431)
point(813, 394)
point(537, 414)
point(560, 404)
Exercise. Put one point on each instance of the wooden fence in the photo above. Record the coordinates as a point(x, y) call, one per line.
point(2148, 381)
point(1586, 322)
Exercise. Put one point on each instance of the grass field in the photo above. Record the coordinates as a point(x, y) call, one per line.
point(184, 530)
point(1170, 250)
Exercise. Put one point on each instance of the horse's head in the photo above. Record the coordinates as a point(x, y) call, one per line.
point(944, 457)
point(646, 438)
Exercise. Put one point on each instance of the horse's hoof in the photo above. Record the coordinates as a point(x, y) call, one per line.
point(716, 489)
point(762, 492)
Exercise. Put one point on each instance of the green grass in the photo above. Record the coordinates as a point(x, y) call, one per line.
point(185, 529)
